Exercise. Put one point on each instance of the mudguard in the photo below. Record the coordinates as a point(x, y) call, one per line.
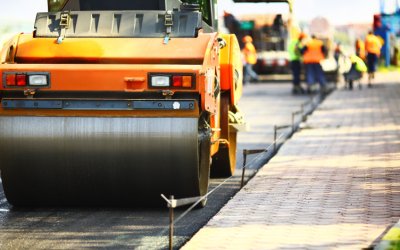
point(231, 68)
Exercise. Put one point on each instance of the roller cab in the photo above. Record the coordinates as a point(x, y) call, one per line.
point(105, 107)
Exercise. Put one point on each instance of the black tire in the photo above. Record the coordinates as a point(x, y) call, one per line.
point(224, 162)
point(204, 169)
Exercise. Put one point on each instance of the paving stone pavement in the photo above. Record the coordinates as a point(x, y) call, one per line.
point(333, 185)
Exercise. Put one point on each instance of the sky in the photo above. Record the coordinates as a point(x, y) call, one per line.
point(21, 9)
point(337, 11)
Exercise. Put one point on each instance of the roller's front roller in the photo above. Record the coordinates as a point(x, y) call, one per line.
point(81, 161)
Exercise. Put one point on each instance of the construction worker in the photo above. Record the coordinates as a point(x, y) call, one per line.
point(313, 53)
point(373, 47)
point(279, 31)
point(295, 62)
point(231, 23)
point(358, 67)
point(250, 56)
point(360, 49)
point(337, 54)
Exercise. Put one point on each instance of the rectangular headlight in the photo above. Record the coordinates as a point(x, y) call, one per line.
point(38, 80)
point(160, 81)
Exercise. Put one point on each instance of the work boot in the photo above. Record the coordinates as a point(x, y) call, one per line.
point(312, 89)
point(297, 90)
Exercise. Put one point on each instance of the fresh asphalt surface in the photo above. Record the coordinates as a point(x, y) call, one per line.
point(264, 105)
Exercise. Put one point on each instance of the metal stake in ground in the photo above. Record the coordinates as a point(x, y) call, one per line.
point(294, 113)
point(275, 131)
point(276, 128)
point(293, 116)
point(245, 154)
point(172, 203)
point(171, 225)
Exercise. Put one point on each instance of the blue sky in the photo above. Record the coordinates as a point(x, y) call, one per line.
point(337, 11)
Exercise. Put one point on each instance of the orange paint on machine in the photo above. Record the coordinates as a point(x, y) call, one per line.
point(118, 101)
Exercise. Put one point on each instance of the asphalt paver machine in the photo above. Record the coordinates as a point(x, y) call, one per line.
point(111, 103)
point(271, 41)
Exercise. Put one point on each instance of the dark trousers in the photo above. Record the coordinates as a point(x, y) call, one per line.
point(372, 62)
point(249, 73)
point(315, 72)
point(296, 68)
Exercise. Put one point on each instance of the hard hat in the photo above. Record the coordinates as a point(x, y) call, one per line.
point(302, 35)
point(247, 39)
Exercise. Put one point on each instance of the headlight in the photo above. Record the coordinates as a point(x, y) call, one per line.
point(38, 80)
point(160, 81)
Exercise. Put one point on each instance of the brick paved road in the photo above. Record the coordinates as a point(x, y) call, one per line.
point(264, 106)
point(335, 185)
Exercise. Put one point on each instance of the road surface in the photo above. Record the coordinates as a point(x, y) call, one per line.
point(264, 106)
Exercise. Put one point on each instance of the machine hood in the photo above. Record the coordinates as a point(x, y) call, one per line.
point(32, 50)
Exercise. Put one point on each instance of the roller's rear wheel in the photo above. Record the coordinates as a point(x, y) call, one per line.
point(224, 162)
point(204, 169)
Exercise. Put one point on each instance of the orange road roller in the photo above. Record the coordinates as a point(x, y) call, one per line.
point(111, 103)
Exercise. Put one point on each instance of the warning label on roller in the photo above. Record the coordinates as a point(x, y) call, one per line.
point(209, 81)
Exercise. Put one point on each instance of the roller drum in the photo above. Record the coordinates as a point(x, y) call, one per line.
point(84, 161)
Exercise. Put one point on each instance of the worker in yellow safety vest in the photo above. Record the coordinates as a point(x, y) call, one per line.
point(373, 47)
point(313, 53)
point(295, 62)
point(357, 69)
point(250, 56)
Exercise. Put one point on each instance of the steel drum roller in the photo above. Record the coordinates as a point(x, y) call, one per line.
point(81, 161)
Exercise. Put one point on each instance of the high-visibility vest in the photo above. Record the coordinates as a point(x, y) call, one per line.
point(360, 65)
point(360, 48)
point(250, 53)
point(373, 45)
point(314, 54)
point(294, 52)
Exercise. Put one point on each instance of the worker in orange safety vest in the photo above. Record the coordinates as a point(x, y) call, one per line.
point(313, 53)
point(360, 49)
point(250, 56)
point(373, 47)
